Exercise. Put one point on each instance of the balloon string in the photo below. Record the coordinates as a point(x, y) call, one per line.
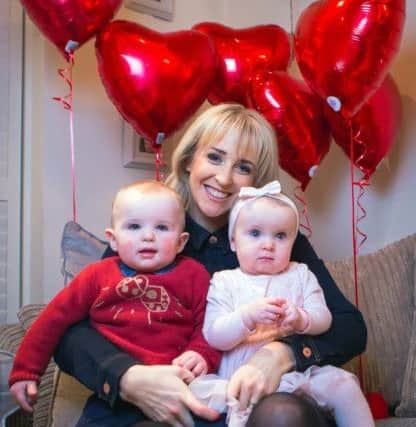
point(157, 147)
point(66, 102)
point(354, 239)
point(363, 213)
point(299, 195)
point(158, 162)
point(361, 184)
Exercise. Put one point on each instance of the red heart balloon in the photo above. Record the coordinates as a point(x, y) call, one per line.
point(376, 126)
point(155, 80)
point(297, 116)
point(242, 53)
point(344, 48)
point(63, 21)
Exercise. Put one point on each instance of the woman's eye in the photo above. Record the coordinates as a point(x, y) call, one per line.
point(245, 168)
point(254, 233)
point(214, 157)
point(281, 235)
point(162, 227)
point(133, 226)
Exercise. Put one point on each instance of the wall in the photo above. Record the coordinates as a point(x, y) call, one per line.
point(390, 211)
point(10, 157)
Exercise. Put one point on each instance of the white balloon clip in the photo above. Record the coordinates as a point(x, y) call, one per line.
point(71, 46)
point(312, 171)
point(159, 138)
point(334, 103)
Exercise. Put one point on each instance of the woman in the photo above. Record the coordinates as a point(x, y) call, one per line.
point(226, 148)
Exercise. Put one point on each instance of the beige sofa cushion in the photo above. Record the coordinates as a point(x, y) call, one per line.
point(407, 407)
point(26, 316)
point(69, 400)
point(385, 298)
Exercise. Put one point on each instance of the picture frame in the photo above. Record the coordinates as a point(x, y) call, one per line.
point(136, 150)
point(162, 9)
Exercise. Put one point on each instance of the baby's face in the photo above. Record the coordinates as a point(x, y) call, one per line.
point(264, 235)
point(147, 229)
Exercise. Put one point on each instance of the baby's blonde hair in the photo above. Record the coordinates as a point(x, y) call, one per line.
point(149, 186)
point(255, 135)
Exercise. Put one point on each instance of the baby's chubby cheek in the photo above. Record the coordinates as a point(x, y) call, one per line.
point(129, 246)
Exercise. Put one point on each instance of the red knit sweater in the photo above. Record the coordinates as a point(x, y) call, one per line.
point(154, 317)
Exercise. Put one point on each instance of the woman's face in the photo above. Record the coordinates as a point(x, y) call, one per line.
point(216, 174)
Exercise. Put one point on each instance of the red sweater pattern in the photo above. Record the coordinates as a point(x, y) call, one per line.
point(153, 317)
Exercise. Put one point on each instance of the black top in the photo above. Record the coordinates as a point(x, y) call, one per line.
point(89, 357)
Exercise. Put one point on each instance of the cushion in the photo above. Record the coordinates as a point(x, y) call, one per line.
point(78, 249)
point(407, 407)
point(7, 404)
point(28, 314)
point(6, 362)
point(385, 280)
point(69, 400)
point(10, 337)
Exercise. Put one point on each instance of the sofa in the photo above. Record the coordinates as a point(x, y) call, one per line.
point(386, 297)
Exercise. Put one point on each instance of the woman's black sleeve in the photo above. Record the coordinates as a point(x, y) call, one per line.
point(89, 357)
point(347, 335)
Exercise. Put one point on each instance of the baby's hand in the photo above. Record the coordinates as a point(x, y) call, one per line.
point(25, 393)
point(265, 311)
point(192, 361)
point(295, 319)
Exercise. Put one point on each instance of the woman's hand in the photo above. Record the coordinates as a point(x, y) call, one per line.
point(161, 393)
point(25, 393)
point(261, 374)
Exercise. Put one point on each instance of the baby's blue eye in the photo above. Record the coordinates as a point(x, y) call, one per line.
point(254, 232)
point(133, 226)
point(162, 227)
point(281, 235)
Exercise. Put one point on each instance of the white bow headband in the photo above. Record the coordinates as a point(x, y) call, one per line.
point(249, 194)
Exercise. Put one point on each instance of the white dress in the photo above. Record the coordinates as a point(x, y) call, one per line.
point(224, 329)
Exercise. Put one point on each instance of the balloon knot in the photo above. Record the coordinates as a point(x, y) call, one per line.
point(312, 171)
point(159, 138)
point(71, 46)
point(334, 103)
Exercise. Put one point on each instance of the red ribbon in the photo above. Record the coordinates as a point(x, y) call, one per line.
point(361, 184)
point(304, 214)
point(66, 102)
point(157, 147)
point(158, 162)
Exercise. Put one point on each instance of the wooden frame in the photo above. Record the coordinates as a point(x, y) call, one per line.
point(162, 9)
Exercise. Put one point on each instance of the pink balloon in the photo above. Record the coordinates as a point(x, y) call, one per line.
point(76, 21)
point(155, 80)
point(344, 48)
point(242, 53)
point(297, 116)
point(376, 127)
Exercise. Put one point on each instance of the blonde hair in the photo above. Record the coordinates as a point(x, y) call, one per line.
point(152, 186)
point(254, 134)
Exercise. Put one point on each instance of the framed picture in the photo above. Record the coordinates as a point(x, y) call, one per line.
point(136, 150)
point(162, 9)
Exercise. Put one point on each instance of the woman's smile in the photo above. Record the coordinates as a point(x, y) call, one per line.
point(216, 194)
